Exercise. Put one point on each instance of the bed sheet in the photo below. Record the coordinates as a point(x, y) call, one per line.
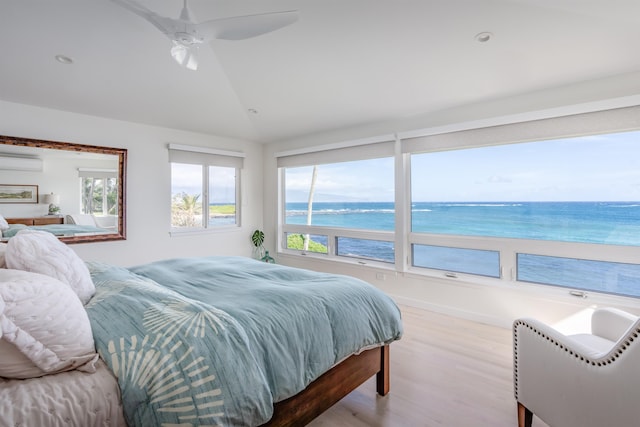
point(70, 398)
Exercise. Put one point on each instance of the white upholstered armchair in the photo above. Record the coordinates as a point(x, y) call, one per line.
point(584, 380)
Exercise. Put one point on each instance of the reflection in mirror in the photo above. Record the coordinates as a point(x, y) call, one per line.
point(74, 191)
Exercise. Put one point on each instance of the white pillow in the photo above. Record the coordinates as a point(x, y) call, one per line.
point(44, 327)
point(42, 252)
point(4, 225)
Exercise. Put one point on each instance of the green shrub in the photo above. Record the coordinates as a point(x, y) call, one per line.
point(222, 209)
point(296, 241)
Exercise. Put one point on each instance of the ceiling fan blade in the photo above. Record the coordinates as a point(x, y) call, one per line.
point(168, 26)
point(244, 27)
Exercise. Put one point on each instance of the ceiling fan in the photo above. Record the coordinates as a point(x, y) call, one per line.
point(186, 36)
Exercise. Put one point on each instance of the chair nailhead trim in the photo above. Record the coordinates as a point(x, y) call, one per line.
point(607, 360)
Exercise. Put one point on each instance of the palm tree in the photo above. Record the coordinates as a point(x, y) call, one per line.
point(189, 202)
point(314, 176)
point(184, 210)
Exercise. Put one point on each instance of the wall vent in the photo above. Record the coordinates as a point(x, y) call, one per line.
point(20, 164)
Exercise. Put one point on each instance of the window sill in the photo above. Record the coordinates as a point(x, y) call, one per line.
point(337, 259)
point(200, 231)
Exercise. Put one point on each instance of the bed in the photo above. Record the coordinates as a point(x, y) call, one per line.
point(226, 341)
point(55, 229)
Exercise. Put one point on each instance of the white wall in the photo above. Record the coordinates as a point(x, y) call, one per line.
point(494, 304)
point(148, 182)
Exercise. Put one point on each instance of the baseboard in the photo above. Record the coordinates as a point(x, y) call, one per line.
point(453, 311)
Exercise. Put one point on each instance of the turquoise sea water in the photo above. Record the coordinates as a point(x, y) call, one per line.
point(615, 223)
point(612, 223)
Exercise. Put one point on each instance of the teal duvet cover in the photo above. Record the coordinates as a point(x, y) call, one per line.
point(216, 341)
point(55, 229)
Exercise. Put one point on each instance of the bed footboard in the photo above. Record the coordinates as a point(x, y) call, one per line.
point(332, 386)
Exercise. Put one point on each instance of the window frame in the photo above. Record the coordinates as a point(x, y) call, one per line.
point(206, 158)
point(104, 175)
point(584, 124)
point(382, 147)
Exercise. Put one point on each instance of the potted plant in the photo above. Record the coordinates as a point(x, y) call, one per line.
point(257, 238)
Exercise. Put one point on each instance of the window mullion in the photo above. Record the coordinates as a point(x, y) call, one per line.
point(402, 183)
point(205, 196)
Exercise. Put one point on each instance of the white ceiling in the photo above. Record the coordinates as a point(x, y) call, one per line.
point(345, 63)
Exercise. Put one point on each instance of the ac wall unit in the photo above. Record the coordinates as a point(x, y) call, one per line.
point(20, 164)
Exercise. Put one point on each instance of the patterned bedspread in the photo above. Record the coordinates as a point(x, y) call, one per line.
point(218, 340)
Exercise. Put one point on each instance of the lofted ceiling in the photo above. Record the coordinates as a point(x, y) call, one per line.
point(345, 63)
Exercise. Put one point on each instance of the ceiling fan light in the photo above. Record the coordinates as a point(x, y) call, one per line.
point(192, 62)
point(184, 55)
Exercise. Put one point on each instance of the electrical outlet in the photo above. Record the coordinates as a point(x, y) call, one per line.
point(381, 276)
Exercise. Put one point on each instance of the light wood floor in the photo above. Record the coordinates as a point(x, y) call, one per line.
point(445, 371)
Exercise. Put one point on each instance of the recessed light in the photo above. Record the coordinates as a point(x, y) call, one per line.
point(484, 36)
point(64, 59)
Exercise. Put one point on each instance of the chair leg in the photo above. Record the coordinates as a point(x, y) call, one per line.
point(525, 416)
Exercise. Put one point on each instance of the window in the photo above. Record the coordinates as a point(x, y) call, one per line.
point(374, 250)
point(99, 192)
point(222, 196)
point(602, 276)
point(307, 242)
point(471, 261)
point(186, 195)
point(350, 195)
point(527, 202)
point(344, 207)
point(575, 190)
point(204, 188)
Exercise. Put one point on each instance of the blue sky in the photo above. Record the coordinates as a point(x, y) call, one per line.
point(594, 168)
point(361, 181)
point(188, 178)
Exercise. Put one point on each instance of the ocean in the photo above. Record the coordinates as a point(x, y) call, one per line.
point(611, 223)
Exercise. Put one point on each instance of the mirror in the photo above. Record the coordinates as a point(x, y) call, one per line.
point(75, 191)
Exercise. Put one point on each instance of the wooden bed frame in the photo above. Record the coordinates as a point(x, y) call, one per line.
point(43, 220)
point(332, 386)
